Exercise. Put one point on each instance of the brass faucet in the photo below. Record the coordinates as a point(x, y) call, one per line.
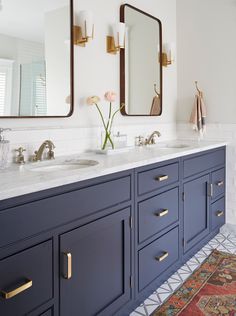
point(38, 154)
point(151, 139)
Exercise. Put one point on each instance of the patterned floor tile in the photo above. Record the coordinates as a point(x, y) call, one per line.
point(224, 242)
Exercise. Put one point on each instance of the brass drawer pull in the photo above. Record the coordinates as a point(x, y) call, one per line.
point(7, 295)
point(162, 257)
point(219, 213)
point(68, 274)
point(220, 183)
point(162, 213)
point(162, 178)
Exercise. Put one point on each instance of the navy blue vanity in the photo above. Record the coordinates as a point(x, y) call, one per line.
point(101, 246)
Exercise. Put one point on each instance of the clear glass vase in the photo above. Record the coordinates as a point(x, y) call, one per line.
point(4, 152)
point(107, 141)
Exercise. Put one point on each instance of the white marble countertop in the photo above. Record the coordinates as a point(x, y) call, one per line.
point(20, 180)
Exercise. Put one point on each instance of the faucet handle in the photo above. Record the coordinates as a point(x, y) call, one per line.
point(20, 159)
point(20, 150)
point(139, 141)
point(51, 154)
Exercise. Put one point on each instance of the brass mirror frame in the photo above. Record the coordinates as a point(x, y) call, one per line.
point(71, 75)
point(122, 62)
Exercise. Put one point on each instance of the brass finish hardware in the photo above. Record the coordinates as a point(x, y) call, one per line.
point(162, 178)
point(210, 190)
point(162, 257)
point(7, 295)
point(20, 159)
point(165, 61)
point(131, 281)
point(220, 183)
point(131, 222)
point(151, 139)
point(38, 154)
point(111, 48)
point(78, 38)
point(68, 274)
point(163, 213)
point(219, 213)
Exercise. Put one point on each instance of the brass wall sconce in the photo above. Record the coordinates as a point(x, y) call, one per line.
point(116, 42)
point(168, 54)
point(84, 31)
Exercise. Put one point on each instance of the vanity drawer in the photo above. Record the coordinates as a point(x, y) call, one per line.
point(26, 280)
point(157, 257)
point(218, 214)
point(158, 213)
point(218, 182)
point(26, 220)
point(203, 163)
point(157, 178)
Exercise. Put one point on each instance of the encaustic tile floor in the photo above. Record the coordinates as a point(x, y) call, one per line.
point(224, 241)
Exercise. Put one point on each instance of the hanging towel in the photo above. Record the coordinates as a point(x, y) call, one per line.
point(198, 116)
point(156, 106)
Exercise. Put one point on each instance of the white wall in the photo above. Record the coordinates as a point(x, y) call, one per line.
point(206, 52)
point(206, 32)
point(96, 72)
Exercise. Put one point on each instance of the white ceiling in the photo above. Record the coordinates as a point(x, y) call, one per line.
point(25, 18)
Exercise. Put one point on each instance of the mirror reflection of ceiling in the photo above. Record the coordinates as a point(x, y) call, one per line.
point(28, 24)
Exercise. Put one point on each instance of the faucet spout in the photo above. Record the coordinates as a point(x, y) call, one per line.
point(47, 144)
point(151, 138)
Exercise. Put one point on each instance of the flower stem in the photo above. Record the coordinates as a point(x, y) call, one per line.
point(112, 118)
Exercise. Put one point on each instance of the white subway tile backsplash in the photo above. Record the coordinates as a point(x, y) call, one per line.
point(74, 140)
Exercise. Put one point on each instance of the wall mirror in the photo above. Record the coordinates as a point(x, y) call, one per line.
point(36, 58)
point(140, 63)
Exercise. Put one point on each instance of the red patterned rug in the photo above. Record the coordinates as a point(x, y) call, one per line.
point(209, 291)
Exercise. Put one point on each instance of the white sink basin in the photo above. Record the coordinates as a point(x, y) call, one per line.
point(62, 166)
point(172, 146)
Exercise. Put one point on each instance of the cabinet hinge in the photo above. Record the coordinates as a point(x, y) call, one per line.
point(210, 189)
point(183, 242)
point(131, 281)
point(183, 196)
point(131, 222)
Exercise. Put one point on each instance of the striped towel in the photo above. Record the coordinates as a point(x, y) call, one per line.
point(198, 115)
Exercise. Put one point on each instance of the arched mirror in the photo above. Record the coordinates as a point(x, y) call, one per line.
point(36, 58)
point(140, 63)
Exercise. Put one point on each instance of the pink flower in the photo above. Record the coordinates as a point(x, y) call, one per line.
point(110, 96)
point(93, 100)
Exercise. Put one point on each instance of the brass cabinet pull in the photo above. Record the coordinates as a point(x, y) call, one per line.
point(7, 295)
point(162, 257)
point(68, 274)
point(219, 213)
point(162, 213)
point(162, 178)
point(220, 183)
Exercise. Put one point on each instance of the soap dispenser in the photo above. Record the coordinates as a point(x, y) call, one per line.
point(4, 148)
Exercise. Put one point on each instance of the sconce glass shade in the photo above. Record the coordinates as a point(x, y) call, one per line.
point(119, 34)
point(168, 50)
point(86, 22)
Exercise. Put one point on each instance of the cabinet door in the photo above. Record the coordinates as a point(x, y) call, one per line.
point(99, 258)
point(196, 211)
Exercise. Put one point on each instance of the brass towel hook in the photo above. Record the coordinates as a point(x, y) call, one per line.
point(198, 90)
point(155, 89)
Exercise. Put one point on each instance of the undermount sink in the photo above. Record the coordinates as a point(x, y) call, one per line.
point(63, 166)
point(172, 146)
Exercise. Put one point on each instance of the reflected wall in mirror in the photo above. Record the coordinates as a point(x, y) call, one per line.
point(36, 58)
point(140, 63)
